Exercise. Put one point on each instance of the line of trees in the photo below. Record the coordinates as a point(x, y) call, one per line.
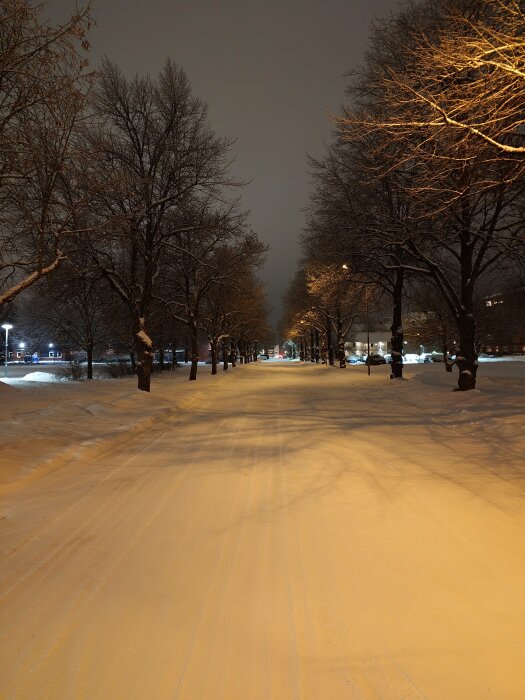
point(322, 304)
point(122, 186)
point(423, 180)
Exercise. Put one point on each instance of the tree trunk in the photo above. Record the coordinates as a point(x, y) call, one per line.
point(194, 340)
point(89, 351)
point(224, 358)
point(161, 358)
point(213, 345)
point(397, 327)
point(143, 353)
point(317, 358)
point(312, 347)
point(341, 345)
point(467, 357)
point(445, 352)
point(329, 345)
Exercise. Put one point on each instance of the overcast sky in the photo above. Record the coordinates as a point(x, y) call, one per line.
point(269, 70)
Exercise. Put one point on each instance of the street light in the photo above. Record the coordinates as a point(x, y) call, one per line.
point(7, 327)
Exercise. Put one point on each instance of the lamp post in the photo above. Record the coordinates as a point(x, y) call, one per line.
point(7, 327)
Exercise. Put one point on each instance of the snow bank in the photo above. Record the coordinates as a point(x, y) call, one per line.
point(48, 422)
point(39, 377)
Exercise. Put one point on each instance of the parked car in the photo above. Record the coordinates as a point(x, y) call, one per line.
point(116, 360)
point(375, 359)
point(353, 360)
point(438, 357)
point(31, 359)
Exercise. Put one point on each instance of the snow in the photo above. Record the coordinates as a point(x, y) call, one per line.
point(35, 377)
point(281, 530)
point(145, 339)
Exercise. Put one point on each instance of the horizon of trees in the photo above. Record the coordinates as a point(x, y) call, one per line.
point(118, 207)
point(422, 183)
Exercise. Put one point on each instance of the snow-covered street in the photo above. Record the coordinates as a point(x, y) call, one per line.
point(280, 531)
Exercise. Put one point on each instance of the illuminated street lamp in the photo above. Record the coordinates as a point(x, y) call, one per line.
point(7, 327)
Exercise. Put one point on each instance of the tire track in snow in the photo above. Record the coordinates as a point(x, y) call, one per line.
point(292, 611)
point(225, 584)
point(100, 515)
point(192, 532)
point(127, 513)
point(145, 432)
point(87, 470)
point(178, 688)
point(78, 552)
point(388, 680)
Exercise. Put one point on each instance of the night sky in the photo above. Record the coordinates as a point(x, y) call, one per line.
point(269, 70)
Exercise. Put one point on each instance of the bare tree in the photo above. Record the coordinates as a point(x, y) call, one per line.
point(250, 324)
point(78, 309)
point(429, 318)
point(359, 219)
point(43, 90)
point(301, 321)
point(206, 249)
point(157, 154)
point(232, 301)
point(473, 76)
point(467, 200)
point(340, 298)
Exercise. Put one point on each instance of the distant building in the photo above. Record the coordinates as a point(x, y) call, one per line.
point(501, 328)
point(379, 342)
point(35, 354)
